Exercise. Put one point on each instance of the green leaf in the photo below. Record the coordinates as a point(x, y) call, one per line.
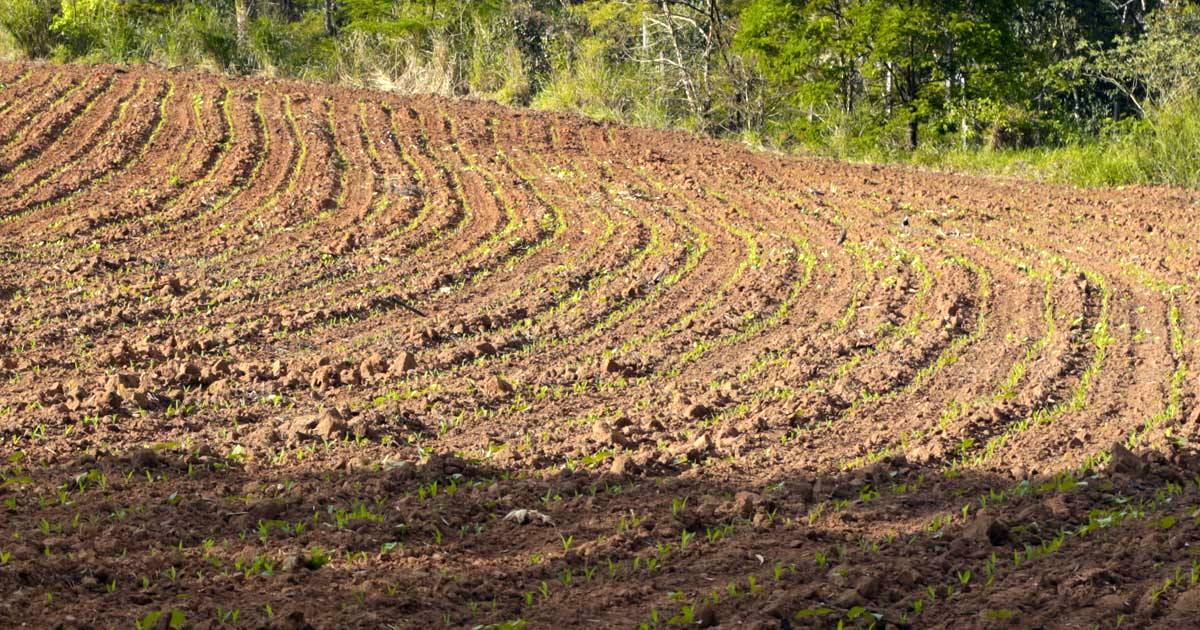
point(149, 620)
point(813, 612)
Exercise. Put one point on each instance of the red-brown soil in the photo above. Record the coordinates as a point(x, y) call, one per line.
point(283, 355)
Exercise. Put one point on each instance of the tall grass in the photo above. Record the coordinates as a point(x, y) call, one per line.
point(194, 35)
point(297, 49)
point(27, 25)
point(1163, 148)
point(1170, 152)
point(585, 79)
point(384, 63)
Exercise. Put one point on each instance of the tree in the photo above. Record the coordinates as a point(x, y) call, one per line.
point(812, 45)
point(909, 60)
point(330, 9)
point(681, 49)
point(244, 13)
point(1160, 66)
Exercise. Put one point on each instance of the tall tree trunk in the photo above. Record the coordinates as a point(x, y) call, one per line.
point(330, 23)
point(888, 78)
point(913, 129)
point(244, 13)
point(689, 87)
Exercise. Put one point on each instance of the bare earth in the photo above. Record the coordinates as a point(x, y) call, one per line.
point(284, 355)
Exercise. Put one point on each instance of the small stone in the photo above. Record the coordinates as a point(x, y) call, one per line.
point(1124, 461)
point(106, 400)
point(220, 367)
point(174, 286)
point(292, 562)
point(323, 377)
point(359, 428)
point(74, 390)
point(984, 527)
point(706, 617)
point(604, 433)
point(187, 373)
point(1149, 603)
point(525, 517)
point(868, 586)
point(848, 598)
point(220, 387)
point(1113, 602)
point(803, 490)
point(927, 452)
point(1058, 506)
point(299, 428)
point(1188, 602)
point(330, 427)
point(349, 377)
point(50, 393)
point(405, 362)
point(346, 245)
point(746, 503)
point(143, 400)
point(498, 386)
point(372, 365)
point(611, 366)
point(622, 465)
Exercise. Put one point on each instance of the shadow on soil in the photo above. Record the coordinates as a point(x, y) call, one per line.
point(455, 543)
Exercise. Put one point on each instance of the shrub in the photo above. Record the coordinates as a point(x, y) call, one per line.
point(27, 23)
point(196, 35)
point(1170, 151)
point(589, 79)
point(81, 27)
point(291, 48)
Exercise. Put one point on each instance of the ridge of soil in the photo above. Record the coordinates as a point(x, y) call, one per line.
point(275, 354)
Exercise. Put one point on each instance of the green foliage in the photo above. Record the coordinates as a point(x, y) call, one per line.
point(651, 64)
point(195, 35)
point(1168, 151)
point(1160, 66)
point(887, 66)
point(27, 23)
point(444, 48)
point(290, 48)
point(422, 18)
point(1163, 148)
point(1085, 91)
point(586, 80)
point(101, 30)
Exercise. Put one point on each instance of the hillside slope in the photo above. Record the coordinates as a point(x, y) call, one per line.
point(284, 354)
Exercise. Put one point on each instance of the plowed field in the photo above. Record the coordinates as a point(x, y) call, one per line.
point(284, 355)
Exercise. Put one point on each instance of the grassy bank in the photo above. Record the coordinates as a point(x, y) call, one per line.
point(1164, 148)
